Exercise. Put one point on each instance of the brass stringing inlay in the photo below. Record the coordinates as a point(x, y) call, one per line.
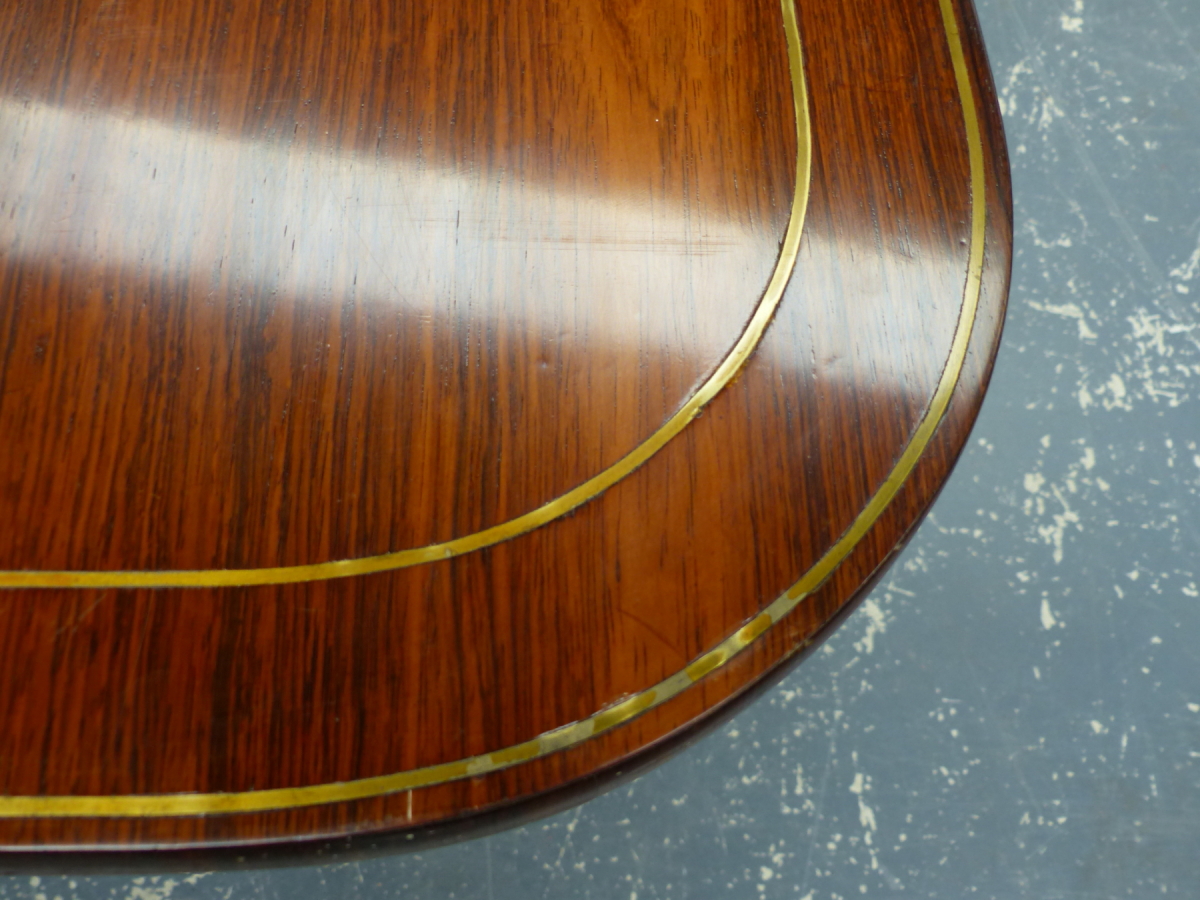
point(536, 518)
point(607, 719)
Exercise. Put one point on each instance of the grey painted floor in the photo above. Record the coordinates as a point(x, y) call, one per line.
point(1016, 711)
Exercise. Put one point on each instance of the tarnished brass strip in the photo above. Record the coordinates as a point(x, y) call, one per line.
point(548, 512)
point(131, 806)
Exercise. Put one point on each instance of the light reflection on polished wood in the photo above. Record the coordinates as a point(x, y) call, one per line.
point(271, 454)
point(147, 224)
point(416, 348)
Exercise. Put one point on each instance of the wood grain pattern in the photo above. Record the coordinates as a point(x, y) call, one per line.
point(301, 282)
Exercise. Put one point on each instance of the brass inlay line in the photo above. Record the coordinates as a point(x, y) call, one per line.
point(569, 735)
point(536, 518)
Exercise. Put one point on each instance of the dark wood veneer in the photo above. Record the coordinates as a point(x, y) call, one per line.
point(288, 283)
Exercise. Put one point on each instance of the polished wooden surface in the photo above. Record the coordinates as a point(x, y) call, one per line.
point(290, 284)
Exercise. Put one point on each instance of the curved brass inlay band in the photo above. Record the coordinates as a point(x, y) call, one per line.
point(129, 806)
point(536, 518)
